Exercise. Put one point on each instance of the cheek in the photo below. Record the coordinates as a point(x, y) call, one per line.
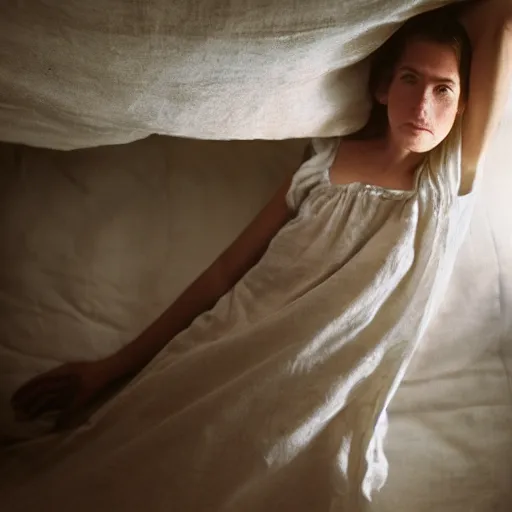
point(444, 115)
point(402, 101)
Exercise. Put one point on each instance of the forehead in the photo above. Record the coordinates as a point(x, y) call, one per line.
point(430, 59)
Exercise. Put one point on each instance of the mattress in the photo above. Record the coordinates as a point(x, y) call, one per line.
point(98, 247)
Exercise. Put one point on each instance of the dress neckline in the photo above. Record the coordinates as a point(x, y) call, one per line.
point(387, 193)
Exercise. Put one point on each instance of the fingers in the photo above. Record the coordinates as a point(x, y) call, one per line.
point(34, 386)
point(51, 393)
point(50, 401)
point(65, 418)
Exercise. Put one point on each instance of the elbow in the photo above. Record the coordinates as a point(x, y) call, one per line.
point(507, 19)
point(503, 31)
point(506, 22)
point(503, 24)
point(507, 35)
point(501, 19)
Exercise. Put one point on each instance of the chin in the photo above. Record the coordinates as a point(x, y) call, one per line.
point(412, 140)
point(418, 144)
point(419, 147)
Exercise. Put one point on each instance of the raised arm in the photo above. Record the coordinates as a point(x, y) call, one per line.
point(489, 26)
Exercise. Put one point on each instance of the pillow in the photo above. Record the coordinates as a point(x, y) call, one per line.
point(80, 74)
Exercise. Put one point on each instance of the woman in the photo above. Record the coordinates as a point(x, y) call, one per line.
point(293, 342)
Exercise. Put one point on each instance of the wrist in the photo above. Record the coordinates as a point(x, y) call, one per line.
point(117, 365)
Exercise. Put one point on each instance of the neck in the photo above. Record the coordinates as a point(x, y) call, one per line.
point(396, 159)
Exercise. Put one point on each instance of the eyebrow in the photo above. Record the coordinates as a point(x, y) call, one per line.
point(436, 78)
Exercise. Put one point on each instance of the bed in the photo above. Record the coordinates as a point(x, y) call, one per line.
point(96, 241)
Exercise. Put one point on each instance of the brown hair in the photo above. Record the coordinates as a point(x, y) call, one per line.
point(439, 26)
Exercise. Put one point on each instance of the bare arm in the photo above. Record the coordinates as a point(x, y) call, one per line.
point(489, 26)
point(69, 387)
point(206, 290)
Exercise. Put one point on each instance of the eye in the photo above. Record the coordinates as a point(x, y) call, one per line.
point(408, 78)
point(443, 90)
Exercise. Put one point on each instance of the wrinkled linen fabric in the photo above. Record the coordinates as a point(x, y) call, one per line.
point(80, 74)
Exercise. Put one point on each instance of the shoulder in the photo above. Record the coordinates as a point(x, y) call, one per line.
point(352, 158)
point(352, 152)
point(318, 158)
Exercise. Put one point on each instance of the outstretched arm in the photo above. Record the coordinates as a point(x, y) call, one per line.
point(206, 290)
point(489, 26)
point(69, 387)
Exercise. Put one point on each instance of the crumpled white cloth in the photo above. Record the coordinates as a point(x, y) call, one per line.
point(76, 74)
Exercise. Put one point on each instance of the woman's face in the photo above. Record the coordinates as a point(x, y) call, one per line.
point(423, 97)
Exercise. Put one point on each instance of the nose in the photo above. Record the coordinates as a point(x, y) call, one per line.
point(421, 105)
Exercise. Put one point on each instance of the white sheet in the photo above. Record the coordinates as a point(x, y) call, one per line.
point(79, 74)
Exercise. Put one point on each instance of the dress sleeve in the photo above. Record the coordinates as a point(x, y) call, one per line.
point(313, 171)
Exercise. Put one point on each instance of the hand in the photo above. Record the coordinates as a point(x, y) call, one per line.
point(66, 389)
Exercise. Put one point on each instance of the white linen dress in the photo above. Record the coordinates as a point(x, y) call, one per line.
point(275, 400)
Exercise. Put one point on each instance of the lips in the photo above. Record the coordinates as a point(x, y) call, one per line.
point(419, 127)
